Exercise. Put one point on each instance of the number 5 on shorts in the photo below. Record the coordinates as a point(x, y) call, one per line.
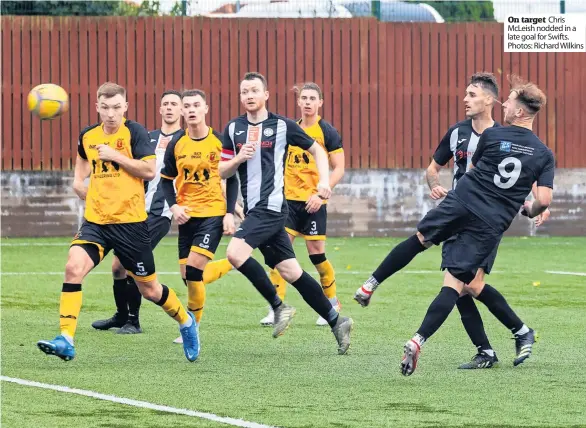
point(140, 267)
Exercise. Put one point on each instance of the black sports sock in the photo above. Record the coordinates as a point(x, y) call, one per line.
point(134, 300)
point(438, 312)
point(255, 273)
point(473, 322)
point(398, 258)
point(313, 294)
point(120, 298)
point(498, 306)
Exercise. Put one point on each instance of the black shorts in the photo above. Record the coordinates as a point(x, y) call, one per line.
point(265, 229)
point(487, 263)
point(130, 241)
point(311, 227)
point(201, 235)
point(473, 241)
point(159, 227)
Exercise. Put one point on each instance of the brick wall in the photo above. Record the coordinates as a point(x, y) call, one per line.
point(365, 203)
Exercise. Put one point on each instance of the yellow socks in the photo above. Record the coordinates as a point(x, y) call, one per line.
point(196, 291)
point(215, 270)
point(326, 274)
point(69, 308)
point(279, 283)
point(171, 304)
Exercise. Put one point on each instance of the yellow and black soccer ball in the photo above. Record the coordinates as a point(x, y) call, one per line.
point(48, 101)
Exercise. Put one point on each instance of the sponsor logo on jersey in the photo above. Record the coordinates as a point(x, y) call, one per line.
point(506, 146)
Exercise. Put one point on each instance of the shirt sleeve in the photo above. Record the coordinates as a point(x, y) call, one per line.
point(140, 142)
point(169, 170)
point(80, 148)
point(296, 136)
point(545, 179)
point(443, 153)
point(333, 141)
point(228, 151)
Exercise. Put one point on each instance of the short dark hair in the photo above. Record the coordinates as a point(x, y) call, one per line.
point(193, 93)
point(111, 89)
point(171, 92)
point(528, 94)
point(308, 85)
point(251, 75)
point(486, 81)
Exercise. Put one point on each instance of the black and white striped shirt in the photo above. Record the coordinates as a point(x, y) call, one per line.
point(460, 143)
point(262, 177)
point(155, 199)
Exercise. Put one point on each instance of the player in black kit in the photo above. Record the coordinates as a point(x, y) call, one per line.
point(254, 146)
point(506, 164)
point(459, 144)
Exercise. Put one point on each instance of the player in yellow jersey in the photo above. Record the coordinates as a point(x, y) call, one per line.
point(118, 157)
point(307, 212)
point(198, 205)
point(126, 294)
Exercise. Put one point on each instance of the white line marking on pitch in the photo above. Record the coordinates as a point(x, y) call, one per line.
point(556, 272)
point(137, 403)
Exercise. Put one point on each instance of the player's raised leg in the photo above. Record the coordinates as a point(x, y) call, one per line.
point(397, 259)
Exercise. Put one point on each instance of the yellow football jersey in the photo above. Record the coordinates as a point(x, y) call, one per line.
point(115, 196)
point(194, 165)
point(301, 175)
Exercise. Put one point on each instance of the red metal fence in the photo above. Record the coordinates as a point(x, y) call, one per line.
point(392, 90)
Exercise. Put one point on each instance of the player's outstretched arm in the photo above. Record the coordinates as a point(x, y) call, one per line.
point(323, 167)
point(82, 171)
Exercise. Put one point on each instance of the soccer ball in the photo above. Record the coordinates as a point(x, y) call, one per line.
point(48, 101)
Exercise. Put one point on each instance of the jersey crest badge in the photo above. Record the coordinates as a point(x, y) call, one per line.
point(506, 146)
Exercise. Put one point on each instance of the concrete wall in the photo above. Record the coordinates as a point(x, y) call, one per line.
point(366, 203)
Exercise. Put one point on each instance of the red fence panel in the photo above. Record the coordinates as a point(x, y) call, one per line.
point(392, 90)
